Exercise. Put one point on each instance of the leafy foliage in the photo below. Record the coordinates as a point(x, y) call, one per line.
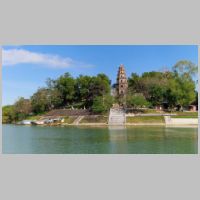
point(137, 101)
point(102, 104)
point(8, 114)
point(185, 68)
point(22, 108)
point(175, 88)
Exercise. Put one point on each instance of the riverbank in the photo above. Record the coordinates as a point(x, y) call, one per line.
point(179, 120)
point(107, 125)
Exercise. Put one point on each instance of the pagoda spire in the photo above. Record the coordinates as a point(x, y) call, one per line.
point(122, 83)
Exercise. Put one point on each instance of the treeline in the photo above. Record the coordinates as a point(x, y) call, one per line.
point(173, 89)
point(83, 92)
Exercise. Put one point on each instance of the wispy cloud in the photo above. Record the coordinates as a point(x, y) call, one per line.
point(16, 56)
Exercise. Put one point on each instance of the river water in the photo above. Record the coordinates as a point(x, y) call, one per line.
point(87, 140)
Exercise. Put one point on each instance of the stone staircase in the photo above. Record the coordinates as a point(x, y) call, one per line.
point(117, 116)
point(77, 120)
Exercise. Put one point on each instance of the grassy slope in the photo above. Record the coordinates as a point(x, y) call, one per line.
point(70, 119)
point(186, 115)
point(145, 119)
point(94, 119)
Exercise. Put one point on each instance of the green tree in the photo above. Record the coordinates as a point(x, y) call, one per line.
point(99, 86)
point(54, 98)
point(137, 101)
point(22, 108)
point(66, 86)
point(180, 92)
point(171, 94)
point(82, 89)
point(148, 82)
point(184, 74)
point(134, 83)
point(185, 68)
point(185, 92)
point(23, 105)
point(102, 104)
point(41, 101)
point(8, 114)
point(156, 94)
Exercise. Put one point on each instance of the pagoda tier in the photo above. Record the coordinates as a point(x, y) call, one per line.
point(122, 84)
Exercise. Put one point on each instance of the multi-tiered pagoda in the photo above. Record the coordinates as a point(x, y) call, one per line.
point(122, 84)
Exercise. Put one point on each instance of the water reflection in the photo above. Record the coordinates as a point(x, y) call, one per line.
point(118, 139)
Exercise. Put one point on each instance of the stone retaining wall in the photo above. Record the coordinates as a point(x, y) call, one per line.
point(181, 121)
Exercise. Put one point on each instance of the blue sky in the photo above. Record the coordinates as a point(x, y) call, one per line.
point(26, 68)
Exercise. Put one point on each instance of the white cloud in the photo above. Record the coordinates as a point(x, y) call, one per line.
point(12, 57)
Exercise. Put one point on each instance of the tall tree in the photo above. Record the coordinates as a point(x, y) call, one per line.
point(23, 105)
point(22, 108)
point(186, 91)
point(82, 89)
point(136, 101)
point(41, 100)
point(66, 86)
point(180, 92)
point(99, 86)
point(102, 104)
point(8, 114)
point(185, 68)
point(156, 94)
point(134, 83)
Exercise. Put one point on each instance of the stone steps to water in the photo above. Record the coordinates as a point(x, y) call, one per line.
point(117, 117)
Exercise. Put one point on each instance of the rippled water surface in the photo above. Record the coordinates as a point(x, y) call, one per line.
point(84, 140)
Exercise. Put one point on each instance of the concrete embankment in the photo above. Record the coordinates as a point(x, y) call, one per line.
point(180, 121)
point(118, 117)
